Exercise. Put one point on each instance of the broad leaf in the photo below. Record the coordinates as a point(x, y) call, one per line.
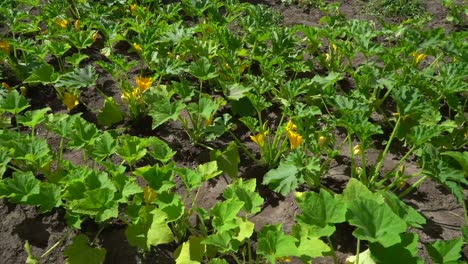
point(190, 252)
point(227, 160)
point(375, 222)
point(445, 252)
point(13, 103)
point(283, 179)
point(49, 197)
point(404, 252)
point(202, 69)
point(78, 78)
point(20, 187)
point(110, 114)
point(164, 110)
point(44, 74)
point(224, 214)
point(273, 243)
point(80, 252)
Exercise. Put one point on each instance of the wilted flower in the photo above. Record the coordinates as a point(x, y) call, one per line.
point(61, 22)
point(137, 47)
point(357, 150)
point(6, 86)
point(5, 46)
point(70, 101)
point(209, 121)
point(294, 139)
point(259, 139)
point(143, 83)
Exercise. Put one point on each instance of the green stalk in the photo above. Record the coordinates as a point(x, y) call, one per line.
point(387, 147)
point(59, 161)
point(363, 174)
point(335, 259)
point(351, 154)
point(414, 185)
point(56, 244)
point(244, 148)
point(357, 250)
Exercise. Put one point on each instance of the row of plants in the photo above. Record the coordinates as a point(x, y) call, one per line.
point(217, 68)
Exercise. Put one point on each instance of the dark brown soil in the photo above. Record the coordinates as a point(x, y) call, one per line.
point(21, 223)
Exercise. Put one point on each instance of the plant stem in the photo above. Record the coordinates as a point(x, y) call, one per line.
point(387, 147)
point(414, 185)
point(57, 243)
point(357, 250)
point(335, 259)
point(243, 147)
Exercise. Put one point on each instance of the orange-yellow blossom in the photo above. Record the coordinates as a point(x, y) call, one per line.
point(291, 126)
point(295, 139)
point(418, 57)
point(5, 46)
point(70, 101)
point(137, 47)
point(259, 139)
point(61, 22)
point(143, 83)
point(126, 96)
point(77, 24)
point(132, 8)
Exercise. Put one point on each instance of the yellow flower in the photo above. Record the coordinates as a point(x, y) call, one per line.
point(137, 47)
point(259, 139)
point(143, 83)
point(418, 57)
point(357, 150)
point(94, 37)
point(5, 46)
point(77, 24)
point(132, 8)
point(126, 96)
point(209, 121)
point(291, 126)
point(70, 101)
point(294, 139)
point(149, 195)
point(61, 22)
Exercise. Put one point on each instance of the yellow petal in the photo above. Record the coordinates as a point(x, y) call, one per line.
point(259, 139)
point(291, 126)
point(357, 150)
point(61, 22)
point(143, 83)
point(137, 47)
point(295, 139)
point(5, 46)
point(70, 101)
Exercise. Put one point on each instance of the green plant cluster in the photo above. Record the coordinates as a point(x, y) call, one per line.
point(216, 68)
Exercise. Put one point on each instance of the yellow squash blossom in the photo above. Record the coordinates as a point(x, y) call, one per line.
point(77, 24)
point(126, 96)
point(291, 126)
point(95, 37)
point(418, 57)
point(149, 195)
point(294, 139)
point(61, 22)
point(5, 46)
point(70, 101)
point(143, 83)
point(132, 8)
point(357, 150)
point(259, 139)
point(137, 47)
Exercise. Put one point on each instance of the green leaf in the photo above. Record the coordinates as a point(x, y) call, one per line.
point(245, 192)
point(202, 69)
point(460, 157)
point(34, 151)
point(246, 229)
point(189, 177)
point(405, 212)
point(133, 148)
point(13, 103)
point(375, 222)
point(208, 170)
point(80, 252)
point(78, 78)
point(4, 160)
point(227, 160)
point(84, 133)
point(110, 114)
point(160, 150)
point(159, 178)
point(171, 204)
point(222, 241)
point(62, 124)
point(81, 39)
point(273, 243)
point(44, 74)
point(98, 203)
point(311, 247)
point(365, 257)
point(104, 146)
point(31, 258)
point(75, 59)
point(445, 252)
point(283, 179)
point(32, 118)
point(321, 210)
point(49, 197)
point(190, 252)
point(404, 252)
point(20, 187)
point(150, 230)
point(163, 111)
point(355, 190)
point(236, 91)
point(224, 214)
